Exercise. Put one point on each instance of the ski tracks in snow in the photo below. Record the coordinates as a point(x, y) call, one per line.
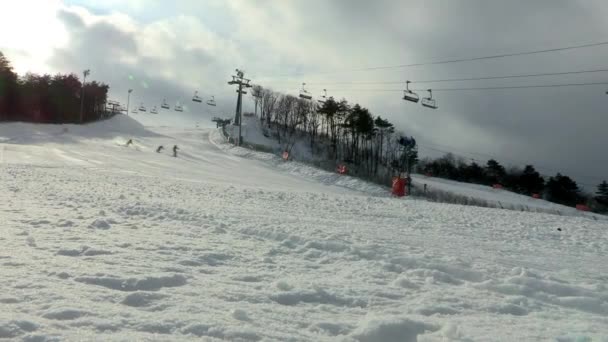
point(102, 242)
point(106, 256)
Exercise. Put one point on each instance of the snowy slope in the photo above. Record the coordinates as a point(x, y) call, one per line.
point(106, 242)
point(499, 197)
point(253, 134)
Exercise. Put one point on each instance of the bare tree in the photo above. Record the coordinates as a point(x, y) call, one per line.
point(268, 104)
point(256, 93)
point(313, 125)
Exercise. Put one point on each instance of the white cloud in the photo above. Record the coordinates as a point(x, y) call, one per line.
point(30, 32)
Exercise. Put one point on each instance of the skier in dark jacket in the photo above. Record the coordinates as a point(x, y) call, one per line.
point(175, 148)
point(160, 148)
point(130, 142)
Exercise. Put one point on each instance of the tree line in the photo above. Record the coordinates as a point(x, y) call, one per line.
point(48, 99)
point(338, 131)
point(341, 132)
point(527, 181)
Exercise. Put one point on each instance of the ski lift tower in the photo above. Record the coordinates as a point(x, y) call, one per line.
point(129, 100)
point(113, 107)
point(242, 82)
point(84, 79)
point(257, 99)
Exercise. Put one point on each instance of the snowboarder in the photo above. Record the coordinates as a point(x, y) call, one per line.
point(129, 143)
point(160, 148)
point(175, 148)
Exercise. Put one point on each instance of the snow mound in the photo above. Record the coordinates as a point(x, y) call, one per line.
point(391, 329)
point(316, 296)
point(117, 126)
point(559, 293)
point(134, 284)
point(65, 314)
point(100, 224)
point(141, 299)
point(13, 329)
point(240, 315)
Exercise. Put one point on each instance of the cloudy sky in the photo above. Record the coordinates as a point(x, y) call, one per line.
point(165, 49)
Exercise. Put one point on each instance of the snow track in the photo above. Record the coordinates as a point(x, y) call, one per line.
point(105, 242)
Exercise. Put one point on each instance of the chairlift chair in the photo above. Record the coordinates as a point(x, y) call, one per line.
point(197, 98)
point(142, 108)
point(304, 93)
point(212, 101)
point(134, 111)
point(178, 108)
point(409, 95)
point(429, 102)
point(153, 110)
point(323, 98)
point(165, 105)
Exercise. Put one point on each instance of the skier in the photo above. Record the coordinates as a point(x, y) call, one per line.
point(175, 148)
point(425, 187)
point(130, 142)
point(160, 148)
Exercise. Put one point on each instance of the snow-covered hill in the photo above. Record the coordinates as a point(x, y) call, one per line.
point(106, 242)
point(253, 135)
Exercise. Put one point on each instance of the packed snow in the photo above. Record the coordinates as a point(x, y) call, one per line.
point(103, 241)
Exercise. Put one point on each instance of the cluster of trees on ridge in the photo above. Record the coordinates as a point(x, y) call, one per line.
point(48, 99)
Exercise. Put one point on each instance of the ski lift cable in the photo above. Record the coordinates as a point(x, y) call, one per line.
point(480, 88)
point(465, 78)
point(458, 60)
point(512, 76)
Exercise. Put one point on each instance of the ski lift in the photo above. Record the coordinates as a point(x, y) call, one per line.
point(134, 111)
point(196, 98)
point(142, 108)
point(153, 110)
point(212, 101)
point(165, 105)
point(178, 108)
point(409, 95)
point(304, 93)
point(323, 98)
point(429, 102)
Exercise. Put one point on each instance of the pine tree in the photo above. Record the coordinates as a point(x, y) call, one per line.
point(562, 189)
point(8, 90)
point(474, 173)
point(530, 181)
point(495, 173)
point(602, 193)
point(384, 128)
point(511, 180)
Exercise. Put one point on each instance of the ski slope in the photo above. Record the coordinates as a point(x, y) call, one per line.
point(498, 198)
point(113, 243)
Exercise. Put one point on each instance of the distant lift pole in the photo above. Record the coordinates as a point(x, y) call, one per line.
point(84, 79)
point(242, 83)
point(129, 100)
point(257, 98)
